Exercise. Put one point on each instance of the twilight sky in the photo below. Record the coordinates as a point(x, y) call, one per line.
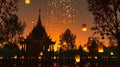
point(57, 16)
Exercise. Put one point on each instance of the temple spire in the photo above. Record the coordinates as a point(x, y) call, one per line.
point(39, 17)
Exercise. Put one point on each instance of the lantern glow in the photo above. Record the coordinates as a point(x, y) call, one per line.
point(41, 53)
point(77, 58)
point(85, 48)
point(84, 27)
point(15, 57)
point(48, 49)
point(55, 57)
point(27, 1)
point(64, 43)
point(100, 49)
point(111, 53)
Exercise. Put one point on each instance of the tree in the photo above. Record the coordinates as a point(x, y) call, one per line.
point(67, 40)
point(11, 28)
point(107, 22)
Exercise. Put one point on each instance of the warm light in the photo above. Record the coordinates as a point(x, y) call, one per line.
point(77, 58)
point(64, 43)
point(27, 1)
point(32, 22)
point(39, 57)
point(1, 57)
point(22, 57)
point(85, 48)
point(111, 53)
point(15, 57)
point(89, 57)
point(100, 49)
point(84, 27)
point(95, 57)
point(48, 49)
point(41, 53)
point(55, 57)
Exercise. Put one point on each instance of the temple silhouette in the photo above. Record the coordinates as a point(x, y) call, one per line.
point(38, 41)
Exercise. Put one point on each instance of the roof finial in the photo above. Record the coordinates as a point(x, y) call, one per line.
point(39, 17)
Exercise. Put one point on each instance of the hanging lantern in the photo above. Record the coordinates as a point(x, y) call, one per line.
point(77, 58)
point(100, 49)
point(27, 1)
point(84, 27)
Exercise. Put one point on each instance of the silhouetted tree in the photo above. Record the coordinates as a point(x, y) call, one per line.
point(107, 22)
point(67, 40)
point(11, 28)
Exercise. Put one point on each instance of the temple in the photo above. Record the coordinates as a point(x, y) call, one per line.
point(38, 40)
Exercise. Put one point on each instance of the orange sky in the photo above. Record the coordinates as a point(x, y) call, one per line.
point(57, 26)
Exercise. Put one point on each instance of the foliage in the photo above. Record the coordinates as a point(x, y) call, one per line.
point(11, 28)
point(106, 16)
point(68, 38)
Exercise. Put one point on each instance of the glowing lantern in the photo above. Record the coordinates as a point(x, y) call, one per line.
point(77, 58)
point(64, 43)
point(111, 53)
point(85, 48)
point(41, 53)
point(55, 57)
point(22, 57)
point(15, 57)
point(27, 1)
point(39, 57)
point(1, 57)
point(95, 57)
point(84, 27)
point(100, 49)
point(48, 49)
point(32, 22)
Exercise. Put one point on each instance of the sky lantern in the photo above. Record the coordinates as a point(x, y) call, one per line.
point(15, 57)
point(111, 53)
point(64, 43)
point(27, 1)
point(100, 49)
point(85, 48)
point(55, 57)
point(41, 53)
point(48, 49)
point(84, 27)
point(77, 58)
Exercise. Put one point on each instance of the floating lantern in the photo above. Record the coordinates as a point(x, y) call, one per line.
point(1, 57)
point(77, 58)
point(15, 57)
point(84, 27)
point(27, 1)
point(95, 57)
point(32, 22)
point(100, 49)
point(85, 48)
point(48, 49)
point(22, 57)
point(39, 57)
point(41, 53)
point(64, 43)
point(111, 53)
point(55, 57)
